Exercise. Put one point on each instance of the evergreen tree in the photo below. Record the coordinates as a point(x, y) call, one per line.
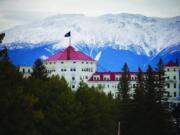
point(156, 118)
point(2, 35)
point(139, 91)
point(123, 86)
point(160, 82)
point(138, 108)
point(17, 114)
point(125, 104)
point(97, 111)
point(3, 52)
point(39, 70)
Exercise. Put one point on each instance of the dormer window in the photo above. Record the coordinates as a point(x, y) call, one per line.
point(106, 78)
point(117, 77)
point(96, 78)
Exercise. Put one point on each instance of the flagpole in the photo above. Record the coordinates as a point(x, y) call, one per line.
point(70, 41)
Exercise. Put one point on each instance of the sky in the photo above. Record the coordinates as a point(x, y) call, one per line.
point(18, 12)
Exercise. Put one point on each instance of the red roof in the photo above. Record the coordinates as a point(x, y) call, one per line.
point(111, 74)
point(69, 53)
point(171, 64)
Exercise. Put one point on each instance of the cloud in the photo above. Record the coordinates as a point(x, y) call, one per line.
point(13, 12)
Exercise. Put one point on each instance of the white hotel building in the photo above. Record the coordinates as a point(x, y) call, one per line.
point(76, 66)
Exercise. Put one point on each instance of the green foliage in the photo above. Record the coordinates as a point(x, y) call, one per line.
point(17, 114)
point(124, 101)
point(161, 92)
point(41, 106)
point(124, 84)
point(2, 35)
point(97, 111)
point(39, 70)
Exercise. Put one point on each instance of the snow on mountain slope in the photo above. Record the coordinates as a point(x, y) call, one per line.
point(138, 33)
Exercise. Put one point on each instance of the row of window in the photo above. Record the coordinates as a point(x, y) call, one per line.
point(116, 86)
point(64, 69)
point(174, 94)
point(81, 78)
point(24, 71)
point(174, 86)
point(174, 77)
point(107, 78)
point(87, 69)
point(74, 62)
point(50, 71)
point(74, 69)
point(173, 69)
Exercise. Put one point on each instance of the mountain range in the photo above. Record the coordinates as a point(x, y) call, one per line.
point(111, 39)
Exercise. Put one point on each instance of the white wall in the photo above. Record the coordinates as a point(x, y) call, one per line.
point(83, 70)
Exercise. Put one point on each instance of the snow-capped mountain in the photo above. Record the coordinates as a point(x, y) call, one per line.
point(145, 35)
point(125, 37)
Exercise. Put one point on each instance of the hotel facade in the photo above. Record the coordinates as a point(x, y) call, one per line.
point(75, 66)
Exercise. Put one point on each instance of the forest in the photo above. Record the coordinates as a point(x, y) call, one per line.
point(42, 105)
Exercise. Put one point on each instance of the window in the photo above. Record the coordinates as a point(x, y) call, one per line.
point(73, 78)
point(86, 62)
point(174, 69)
point(29, 71)
point(168, 86)
point(167, 69)
point(174, 77)
point(62, 62)
point(168, 77)
point(82, 62)
point(74, 62)
point(174, 85)
point(49, 62)
point(23, 70)
point(86, 77)
point(73, 86)
point(91, 62)
point(174, 94)
point(134, 85)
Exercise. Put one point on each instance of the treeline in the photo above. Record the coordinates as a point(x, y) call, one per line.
point(39, 105)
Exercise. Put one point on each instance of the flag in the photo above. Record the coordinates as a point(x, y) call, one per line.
point(68, 34)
